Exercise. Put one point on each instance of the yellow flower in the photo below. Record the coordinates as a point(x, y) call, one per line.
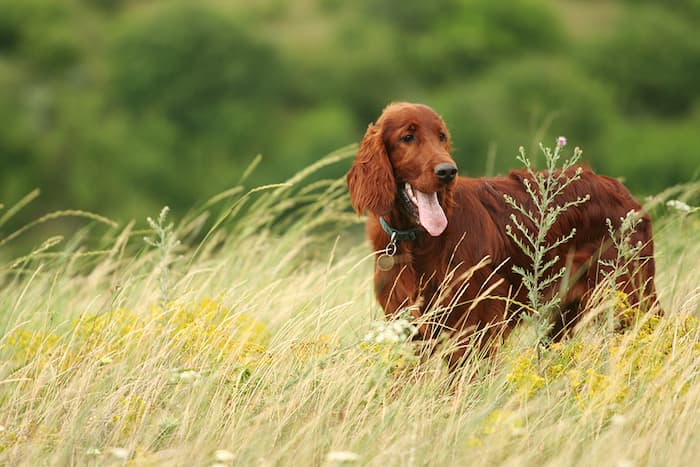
point(314, 349)
point(208, 333)
point(393, 356)
point(524, 375)
point(474, 441)
point(597, 382)
point(33, 346)
point(575, 379)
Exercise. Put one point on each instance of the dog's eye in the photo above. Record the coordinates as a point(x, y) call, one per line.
point(442, 136)
point(409, 138)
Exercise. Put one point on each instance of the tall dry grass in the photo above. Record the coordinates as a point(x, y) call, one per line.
point(243, 343)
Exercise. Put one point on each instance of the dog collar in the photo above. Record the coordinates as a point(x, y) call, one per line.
point(398, 235)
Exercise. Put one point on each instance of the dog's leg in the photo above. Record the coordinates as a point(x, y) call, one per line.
point(564, 322)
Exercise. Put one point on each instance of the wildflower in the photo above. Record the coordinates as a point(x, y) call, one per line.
point(618, 420)
point(555, 370)
point(561, 141)
point(575, 379)
point(474, 441)
point(342, 456)
point(524, 375)
point(222, 455)
point(317, 348)
point(119, 453)
point(207, 330)
point(93, 452)
point(29, 345)
point(597, 381)
point(183, 376)
point(390, 333)
point(679, 206)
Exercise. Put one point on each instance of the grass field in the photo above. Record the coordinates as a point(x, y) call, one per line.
point(238, 335)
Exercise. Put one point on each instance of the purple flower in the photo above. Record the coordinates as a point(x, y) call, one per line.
point(561, 141)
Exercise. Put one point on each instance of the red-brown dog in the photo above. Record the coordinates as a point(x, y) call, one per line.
point(430, 226)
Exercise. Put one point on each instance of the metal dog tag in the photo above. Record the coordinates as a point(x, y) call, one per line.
point(385, 262)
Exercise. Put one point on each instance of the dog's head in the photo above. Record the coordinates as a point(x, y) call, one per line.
point(404, 167)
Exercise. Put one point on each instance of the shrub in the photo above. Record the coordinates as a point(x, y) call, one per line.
point(189, 63)
point(41, 31)
point(656, 154)
point(449, 39)
point(653, 61)
point(529, 100)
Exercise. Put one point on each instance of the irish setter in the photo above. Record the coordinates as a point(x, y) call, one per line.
point(430, 228)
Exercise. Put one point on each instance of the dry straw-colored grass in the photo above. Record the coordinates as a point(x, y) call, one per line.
point(243, 345)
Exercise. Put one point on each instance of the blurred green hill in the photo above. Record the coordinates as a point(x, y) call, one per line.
point(123, 106)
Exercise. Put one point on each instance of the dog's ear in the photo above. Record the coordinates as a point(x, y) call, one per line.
point(371, 177)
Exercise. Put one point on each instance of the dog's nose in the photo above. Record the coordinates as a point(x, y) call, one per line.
point(445, 171)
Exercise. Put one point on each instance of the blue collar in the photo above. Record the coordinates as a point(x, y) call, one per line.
point(399, 235)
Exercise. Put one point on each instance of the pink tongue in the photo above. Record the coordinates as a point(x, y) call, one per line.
point(430, 213)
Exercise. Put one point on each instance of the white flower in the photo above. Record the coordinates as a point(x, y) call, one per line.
point(390, 333)
point(679, 205)
point(618, 420)
point(184, 376)
point(189, 375)
point(222, 455)
point(119, 453)
point(342, 456)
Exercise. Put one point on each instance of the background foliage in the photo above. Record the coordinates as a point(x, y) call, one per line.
point(122, 106)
